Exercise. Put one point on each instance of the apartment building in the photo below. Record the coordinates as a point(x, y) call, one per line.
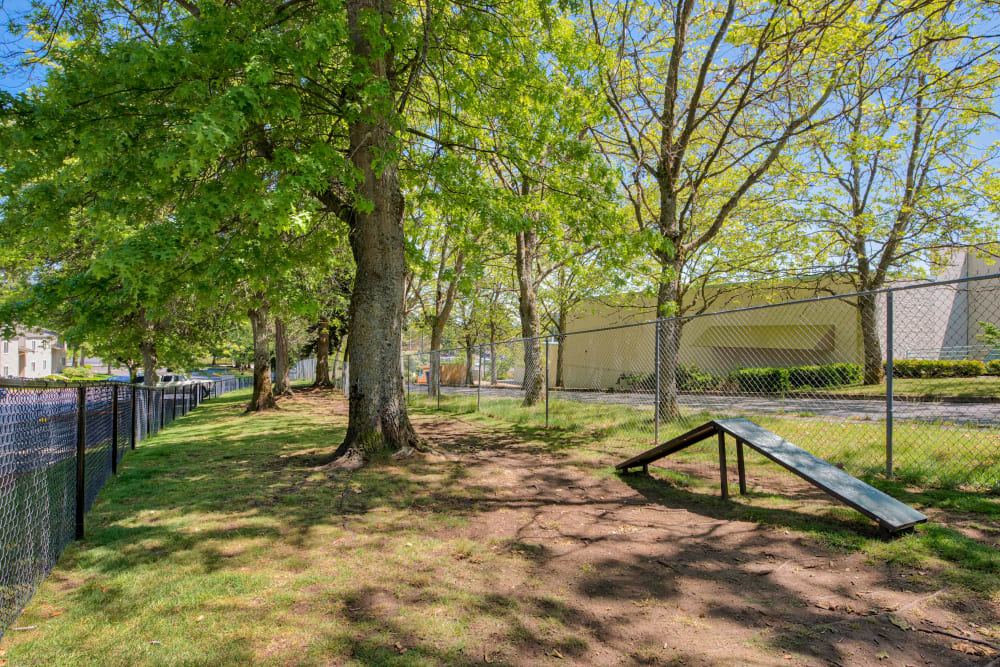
point(32, 353)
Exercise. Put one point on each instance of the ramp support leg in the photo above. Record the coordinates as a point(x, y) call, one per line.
point(724, 478)
point(740, 467)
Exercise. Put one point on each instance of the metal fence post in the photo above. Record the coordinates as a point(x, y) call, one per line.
point(479, 379)
point(131, 437)
point(437, 379)
point(163, 408)
point(656, 373)
point(81, 458)
point(173, 406)
point(149, 411)
point(546, 382)
point(114, 430)
point(888, 383)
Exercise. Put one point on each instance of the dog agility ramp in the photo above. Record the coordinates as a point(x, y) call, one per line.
point(892, 515)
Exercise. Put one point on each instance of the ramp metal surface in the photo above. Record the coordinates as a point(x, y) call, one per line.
point(891, 514)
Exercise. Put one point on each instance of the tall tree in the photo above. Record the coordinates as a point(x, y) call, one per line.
point(705, 98)
point(901, 179)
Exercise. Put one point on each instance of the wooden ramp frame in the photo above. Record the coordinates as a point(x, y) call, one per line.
point(892, 515)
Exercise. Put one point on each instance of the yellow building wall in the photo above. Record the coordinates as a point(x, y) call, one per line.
point(787, 335)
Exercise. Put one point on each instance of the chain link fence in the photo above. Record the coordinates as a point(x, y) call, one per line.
point(839, 375)
point(304, 369)
point(58, 447)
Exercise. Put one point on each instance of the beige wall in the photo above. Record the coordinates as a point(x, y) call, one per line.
point(819, 332)
point(8, 358)
point(785, 335)
point(31, 356)
point(984, 295)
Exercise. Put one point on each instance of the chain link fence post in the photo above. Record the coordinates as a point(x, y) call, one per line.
point(656, 373)
point(81, 458)
point(546, 382)
point(888, 382)
point(479, 379)
point(114, 430)
point(131, 438)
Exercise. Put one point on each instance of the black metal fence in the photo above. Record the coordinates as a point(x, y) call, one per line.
point(59, 444)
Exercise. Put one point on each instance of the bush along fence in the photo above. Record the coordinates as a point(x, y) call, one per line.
point(902, 382)
point(59, 444)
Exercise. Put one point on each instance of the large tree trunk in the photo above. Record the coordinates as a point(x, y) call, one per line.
point(469, 361)
point(493, 353)
point(534, 374)
point(345, 369)
point(434, 372)
point(323, 356)
point(668, 333)
point(868, 310)
point(282, 378)
point(443, 302)
point(336, 360)
point(561, 350)
point(377, 421)
point(149, 363)
point(263, 395)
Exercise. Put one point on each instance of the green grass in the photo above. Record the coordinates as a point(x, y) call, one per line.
point(225, 541)
point(927, 454)
point(976, 387)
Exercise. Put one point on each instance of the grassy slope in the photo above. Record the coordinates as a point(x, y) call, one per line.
point(220, 543)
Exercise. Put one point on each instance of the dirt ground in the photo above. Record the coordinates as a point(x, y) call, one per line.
point(643, 577)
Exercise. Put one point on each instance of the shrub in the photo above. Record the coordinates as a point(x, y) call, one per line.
point(923, 368)
point(993, 367)
point(826, 375)
point(762, 380)
point(691, 378)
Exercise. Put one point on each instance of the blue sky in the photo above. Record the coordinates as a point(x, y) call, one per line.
point(12, 78)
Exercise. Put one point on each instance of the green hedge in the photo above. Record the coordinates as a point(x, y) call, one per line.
point(920, 368)
point(762, 380)
point(776, 380)
point(827, 375)
point(691, 378)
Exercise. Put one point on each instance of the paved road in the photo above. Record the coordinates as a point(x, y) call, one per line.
point(982, 414)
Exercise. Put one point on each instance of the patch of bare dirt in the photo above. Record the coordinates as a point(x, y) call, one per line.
point(647, 580)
